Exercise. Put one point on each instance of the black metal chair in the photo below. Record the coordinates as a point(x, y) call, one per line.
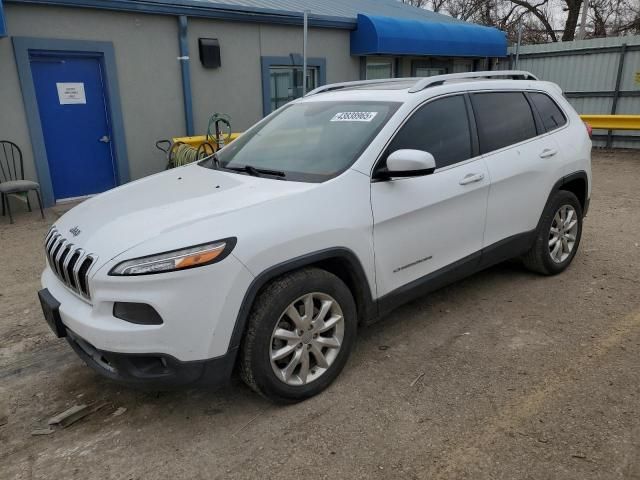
point(12, 180)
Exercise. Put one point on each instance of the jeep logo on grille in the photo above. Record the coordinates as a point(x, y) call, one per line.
point(75, 231)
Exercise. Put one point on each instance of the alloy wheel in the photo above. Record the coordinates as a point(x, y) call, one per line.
point(307, 339)
point(563, 233)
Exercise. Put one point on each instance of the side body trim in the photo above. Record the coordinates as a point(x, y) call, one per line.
point(485, 258)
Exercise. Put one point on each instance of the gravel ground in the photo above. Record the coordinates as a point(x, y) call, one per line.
point(518, 376)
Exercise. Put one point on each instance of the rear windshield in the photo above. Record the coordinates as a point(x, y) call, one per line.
point(310, 141)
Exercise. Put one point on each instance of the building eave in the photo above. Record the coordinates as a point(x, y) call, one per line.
point(200, 9)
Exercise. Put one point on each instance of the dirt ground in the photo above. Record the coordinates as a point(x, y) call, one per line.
point(504, 375)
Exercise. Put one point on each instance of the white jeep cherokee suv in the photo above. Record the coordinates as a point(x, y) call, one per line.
point(322, 217)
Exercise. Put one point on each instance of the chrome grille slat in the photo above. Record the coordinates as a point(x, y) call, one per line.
point(54, 252)
point(65, 263)
point(58, 255)
point(50, 242)
point(59, 252)
point(50, 234)
point(76, 268)
point(85, 291)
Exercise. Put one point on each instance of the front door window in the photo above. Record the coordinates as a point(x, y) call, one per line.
point(286, 83)
point(429, 71)
point(379, 70)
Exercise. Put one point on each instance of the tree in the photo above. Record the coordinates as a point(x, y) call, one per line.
point(613, 17)
point(539, 18)
point(573, 13)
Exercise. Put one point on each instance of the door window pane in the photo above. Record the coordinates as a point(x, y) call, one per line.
point(551, 115)
point(503, 118)
point(440, 128)
point(379, 70)
point(286, 83)
point(429, 71)
point(459, 67)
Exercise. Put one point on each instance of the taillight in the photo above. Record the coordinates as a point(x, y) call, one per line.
point(589, 129)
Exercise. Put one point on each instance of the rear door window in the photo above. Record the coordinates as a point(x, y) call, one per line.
point(440, 127)
point(550, 114)
point(502, 118)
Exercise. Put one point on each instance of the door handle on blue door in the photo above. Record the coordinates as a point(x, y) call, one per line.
point(548, 153)
point(471, 178)
point(104, 139)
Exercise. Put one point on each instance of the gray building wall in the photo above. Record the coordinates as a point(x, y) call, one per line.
point(236, 87)
point(146, 51)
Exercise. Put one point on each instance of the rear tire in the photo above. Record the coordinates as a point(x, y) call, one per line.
point(558, 235)
point(287, 356)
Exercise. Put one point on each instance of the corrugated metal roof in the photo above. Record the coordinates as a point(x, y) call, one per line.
point(323, 13)
point(345, 9)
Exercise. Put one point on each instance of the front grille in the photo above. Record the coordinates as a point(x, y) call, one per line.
point(71, 264)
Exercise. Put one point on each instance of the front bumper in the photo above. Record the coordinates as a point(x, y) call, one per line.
point(153, 371)
point(198, 308)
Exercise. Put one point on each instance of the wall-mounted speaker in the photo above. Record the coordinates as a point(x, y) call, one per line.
point(209, 52)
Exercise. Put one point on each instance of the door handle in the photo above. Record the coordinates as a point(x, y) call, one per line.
point(471, 178)
point(104, 139)
point(548, 153)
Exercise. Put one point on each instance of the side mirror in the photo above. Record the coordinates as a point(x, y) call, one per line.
point(407, 163)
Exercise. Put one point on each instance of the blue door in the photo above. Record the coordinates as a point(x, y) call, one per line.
point(75, 124)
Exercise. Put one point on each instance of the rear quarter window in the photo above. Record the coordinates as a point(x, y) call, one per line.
point(550, 114)
point(502, 118)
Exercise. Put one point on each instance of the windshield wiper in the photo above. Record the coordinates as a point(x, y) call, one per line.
point(257, 172)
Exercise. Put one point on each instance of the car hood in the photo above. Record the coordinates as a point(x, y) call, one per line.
point(115, 221)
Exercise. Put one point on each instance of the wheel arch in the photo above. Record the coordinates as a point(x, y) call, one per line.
point(342, 262)
point(578, 184)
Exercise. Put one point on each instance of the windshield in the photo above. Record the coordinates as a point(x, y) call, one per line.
point(309, 141)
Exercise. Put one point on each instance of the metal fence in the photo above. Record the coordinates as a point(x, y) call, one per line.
point(598, 76)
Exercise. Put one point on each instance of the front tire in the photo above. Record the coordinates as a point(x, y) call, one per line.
point(558, 235)
point(301, 330)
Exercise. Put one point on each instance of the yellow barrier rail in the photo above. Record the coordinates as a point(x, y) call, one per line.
point(601, 122)
point(198, 140)
point(613, 122)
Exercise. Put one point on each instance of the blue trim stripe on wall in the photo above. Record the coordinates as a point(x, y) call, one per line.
point(102, 50)
point(3, 25)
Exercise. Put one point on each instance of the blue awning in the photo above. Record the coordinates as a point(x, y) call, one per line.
point(376, 35)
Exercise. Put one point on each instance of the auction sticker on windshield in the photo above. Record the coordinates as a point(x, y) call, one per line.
point(354, 116)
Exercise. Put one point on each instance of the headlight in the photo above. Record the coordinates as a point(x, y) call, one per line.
point(182, 259)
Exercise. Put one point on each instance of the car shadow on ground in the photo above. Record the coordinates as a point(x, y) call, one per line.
point(71, 381)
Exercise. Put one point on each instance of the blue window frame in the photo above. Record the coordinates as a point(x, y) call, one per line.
point(274, 69)
point(3, 25)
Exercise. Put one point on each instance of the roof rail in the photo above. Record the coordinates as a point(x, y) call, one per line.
point(338, 86)
point(441, 79)
point(426, 82)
